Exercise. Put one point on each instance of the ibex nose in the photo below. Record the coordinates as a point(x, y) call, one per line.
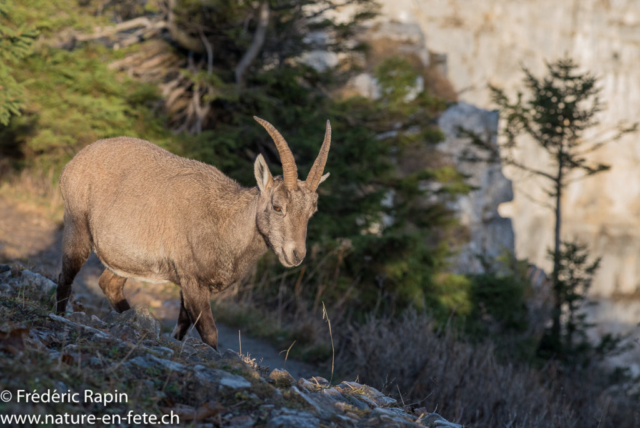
point(295, 254)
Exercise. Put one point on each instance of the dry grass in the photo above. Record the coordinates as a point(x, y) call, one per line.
point(467, 383)
point(37, 189)
point(410, 359)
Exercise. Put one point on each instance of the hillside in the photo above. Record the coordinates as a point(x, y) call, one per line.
point(98, 360)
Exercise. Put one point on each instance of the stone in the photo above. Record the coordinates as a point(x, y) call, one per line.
point(319, 381)
point(79, 317)
point(231, 355)
point(6, 290)
point(162, 351)
point(490, 234)
point(73, 324)
point(306, 385)
point(241, 421)
point(322, 409)
point(36, 282)
point(149, 361)
point(434, 420)
point(369, 401)
point(384, 401)
point(293, 419)
point(168, 364)
point(140, 362)
point(124, 332)
point(96, 362)
point(333, 393)
point(281, 378)
point(206, 352)
point(355, 402)
point(140, 319)
point(97, 322)
point(231, 381)
point(388, 417)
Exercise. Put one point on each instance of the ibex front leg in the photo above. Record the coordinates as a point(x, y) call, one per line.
point(195, 300)
point(184, 321)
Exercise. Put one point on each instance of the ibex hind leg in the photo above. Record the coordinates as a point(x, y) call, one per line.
point(184, 321)
point(76, 247)
point(198, 307)
point(112, 286)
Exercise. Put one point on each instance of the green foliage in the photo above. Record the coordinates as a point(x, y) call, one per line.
point(72, 99)
point(15, 43)
point(575, 276)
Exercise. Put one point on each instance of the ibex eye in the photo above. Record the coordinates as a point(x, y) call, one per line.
point(277, 208)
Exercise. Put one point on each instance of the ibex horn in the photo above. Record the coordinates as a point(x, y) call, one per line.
point(318, 166)
point(289, 168)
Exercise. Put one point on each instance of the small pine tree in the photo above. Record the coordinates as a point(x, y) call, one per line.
point(556, 115)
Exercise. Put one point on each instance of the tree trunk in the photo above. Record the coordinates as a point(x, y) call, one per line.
point(557, 288)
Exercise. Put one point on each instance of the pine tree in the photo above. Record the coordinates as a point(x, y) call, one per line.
point(555, 114)
point(15, 43)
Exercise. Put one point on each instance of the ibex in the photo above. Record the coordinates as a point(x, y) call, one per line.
point(152, 215)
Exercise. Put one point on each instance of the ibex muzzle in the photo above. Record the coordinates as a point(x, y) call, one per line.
point(152, 215)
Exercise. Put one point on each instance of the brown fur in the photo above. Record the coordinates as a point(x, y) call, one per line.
point(152, 215)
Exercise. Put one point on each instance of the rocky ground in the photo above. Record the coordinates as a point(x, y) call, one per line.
point(42, 352)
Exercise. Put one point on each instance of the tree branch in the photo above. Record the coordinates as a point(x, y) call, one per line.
point(182, 37)
point(256, 44)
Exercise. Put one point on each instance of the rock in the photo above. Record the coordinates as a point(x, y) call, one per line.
point(168, 364)
point(305, 384)
point(79, 317)
point(319, 381)
point(149, 361)
point(293, 419)
point(358, 404)
point(385, 401)
point(37, 283)
point(322, 409)
point(140, 362)
point(75, 325)
point(231, 355)
point(96, 362)
point(370, 402)
point(490, 233)
point(333, 393)
point(124, 332)
point(206, 352)
point(281, 378)
point(6, 290)
point(434, 420)
point(242, 421)
point(232, 381)
point(97, 322)
point(140, 319)
point(162, 351)
point(389, 417)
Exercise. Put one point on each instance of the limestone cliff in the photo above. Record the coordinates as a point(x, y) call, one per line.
point(488, 41)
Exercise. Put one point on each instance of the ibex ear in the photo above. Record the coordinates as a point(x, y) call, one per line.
point(324, 177)
point(263, 175)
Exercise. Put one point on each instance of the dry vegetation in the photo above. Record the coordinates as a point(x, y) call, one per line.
point(426, 364)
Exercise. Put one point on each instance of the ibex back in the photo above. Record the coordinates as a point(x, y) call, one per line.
point(152, 215)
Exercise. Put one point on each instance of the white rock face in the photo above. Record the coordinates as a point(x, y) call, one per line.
point(490, 234)
point(487, 41)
